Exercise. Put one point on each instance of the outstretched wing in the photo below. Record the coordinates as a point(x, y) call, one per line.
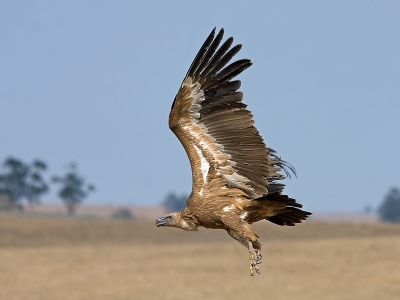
point(214, 126)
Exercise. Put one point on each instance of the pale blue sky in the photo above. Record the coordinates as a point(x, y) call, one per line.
point(93, 81)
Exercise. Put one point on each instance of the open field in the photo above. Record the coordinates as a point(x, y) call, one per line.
point(49, 258)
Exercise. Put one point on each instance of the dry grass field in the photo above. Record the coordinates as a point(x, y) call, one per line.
point(49, 258)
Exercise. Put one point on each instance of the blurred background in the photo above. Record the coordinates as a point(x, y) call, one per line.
point(92, 82)
point(85, 93)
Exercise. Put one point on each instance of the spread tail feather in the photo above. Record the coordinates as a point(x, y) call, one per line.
point(288, 216)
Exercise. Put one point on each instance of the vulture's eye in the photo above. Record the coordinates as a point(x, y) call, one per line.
point(169, 218)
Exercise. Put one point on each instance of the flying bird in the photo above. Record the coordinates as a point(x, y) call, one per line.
point(235, 177)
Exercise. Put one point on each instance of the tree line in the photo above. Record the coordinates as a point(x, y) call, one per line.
point(21, 181)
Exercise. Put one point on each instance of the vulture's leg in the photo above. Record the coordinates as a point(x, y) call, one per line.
point(245, 235)
point(255, 259)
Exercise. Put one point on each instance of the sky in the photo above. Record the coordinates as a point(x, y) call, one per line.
point(92, 82)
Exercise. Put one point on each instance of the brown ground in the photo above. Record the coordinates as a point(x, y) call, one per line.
point(51, 258)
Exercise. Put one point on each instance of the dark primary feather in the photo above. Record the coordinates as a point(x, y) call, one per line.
point(200, 55)
point(213, 62)
point(233, 70)
point(211, 50)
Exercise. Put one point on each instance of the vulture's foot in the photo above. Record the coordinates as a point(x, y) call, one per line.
point(255, 259)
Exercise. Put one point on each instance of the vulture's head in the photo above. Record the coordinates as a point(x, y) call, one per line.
point(178, 220)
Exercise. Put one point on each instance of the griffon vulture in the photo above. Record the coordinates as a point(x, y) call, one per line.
point(235, 176)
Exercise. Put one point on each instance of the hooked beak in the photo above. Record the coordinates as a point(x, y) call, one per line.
point(161, 222)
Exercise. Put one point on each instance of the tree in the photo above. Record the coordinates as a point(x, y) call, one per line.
point(390, 208)
point(22, 180)
point(73, 188)
point(36, 186)
point(174, 203)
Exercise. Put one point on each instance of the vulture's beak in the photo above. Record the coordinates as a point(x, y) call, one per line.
point(162, 221)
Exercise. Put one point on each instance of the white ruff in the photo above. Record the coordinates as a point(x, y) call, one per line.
point(205, 166)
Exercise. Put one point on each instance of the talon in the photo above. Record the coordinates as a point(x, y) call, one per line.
point(259, 257)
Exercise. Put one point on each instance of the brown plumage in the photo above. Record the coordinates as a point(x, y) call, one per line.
point(234, 174)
